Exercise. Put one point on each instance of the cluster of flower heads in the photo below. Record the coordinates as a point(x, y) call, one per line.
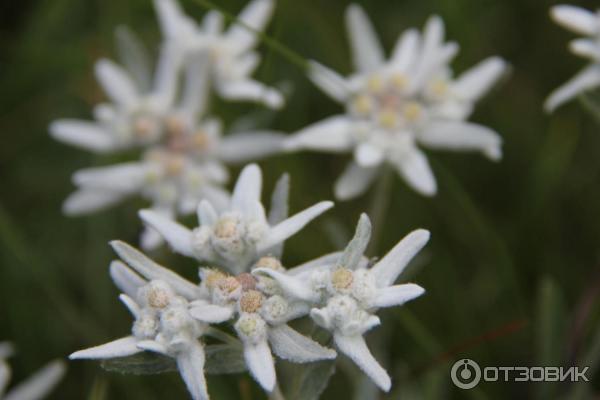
point(34, 388)
point(246, 287)
point(393, 108)
point(183, 150)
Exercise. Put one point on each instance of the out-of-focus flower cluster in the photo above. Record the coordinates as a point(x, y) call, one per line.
point(35, 387)
point(245, 289)
point(164, 112)
point(393, 107)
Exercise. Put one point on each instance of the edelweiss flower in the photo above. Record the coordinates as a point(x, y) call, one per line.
point(183, 169)
point(587, 23)
point(238, 236)
point(133, 118)
point(172, 182)
point(34, 388)
point(393, 107)
point(346, 294)
point(261, 323)
point(163, 323)
point(171, 314)
point(231, 52)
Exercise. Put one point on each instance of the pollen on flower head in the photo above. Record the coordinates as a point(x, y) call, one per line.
point(210, 277)
point(375, 83)
point(200, 140)
point(174, 126)
point(157, 294)
point(226, 227)
point(228, 285)
point(269, 262)
point(363, 104)
point(388, 118)
point(439, 88)
point(400, 81)
point(412, 111)
point(251, 301)
point(247, 281)
point(144, 127)
point(341, 279)
point(174, 164)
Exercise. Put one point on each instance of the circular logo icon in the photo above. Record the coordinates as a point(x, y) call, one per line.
point(465, 374)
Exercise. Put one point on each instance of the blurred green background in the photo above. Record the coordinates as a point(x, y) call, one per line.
point(513, 267)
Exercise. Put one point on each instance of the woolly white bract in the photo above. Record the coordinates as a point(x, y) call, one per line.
point(345, 294)
point(587, 23)
point(395, 106)
point(237, 236)
point(183, 149)
point(36, 387)
point(248, 288)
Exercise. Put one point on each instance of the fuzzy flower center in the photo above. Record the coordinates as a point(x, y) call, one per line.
point(342, 278)
point(251, 301)
point(228, 284)
point(226, 227)
point(384, 100)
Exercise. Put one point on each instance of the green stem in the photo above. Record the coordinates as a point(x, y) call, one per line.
point(379, 207)
point(590, 106)
point(273, 44)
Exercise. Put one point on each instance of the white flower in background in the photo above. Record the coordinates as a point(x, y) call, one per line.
point(134, 117)
point(172, 182)
point(395, 106)
point(185, 168)
point(34, 388)
point(261, 322)
point(232, 55)
point(346, 294)
point(587, 23)
point(160, 304)
point(237, 237)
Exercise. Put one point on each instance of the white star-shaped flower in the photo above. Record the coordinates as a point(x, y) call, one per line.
point(393, 107)
point(346, 293)
point(238, 236)
point(183, 168)
point(160, 302)
point(232, 55)
point(587, 23)
point(134, 117)
point(154, 295)
point(261, 320)
point(36, 387)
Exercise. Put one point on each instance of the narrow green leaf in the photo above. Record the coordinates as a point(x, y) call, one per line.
point(311, 380)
